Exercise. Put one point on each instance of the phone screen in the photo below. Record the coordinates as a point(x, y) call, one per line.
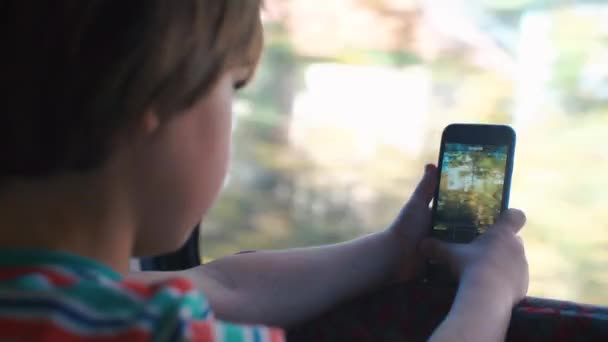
point(471, 186)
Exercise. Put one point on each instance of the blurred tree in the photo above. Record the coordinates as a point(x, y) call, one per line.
point(278, 197)
point(578, 37)
point(513, 5)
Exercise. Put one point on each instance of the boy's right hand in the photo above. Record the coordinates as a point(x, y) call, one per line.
point(495, 261)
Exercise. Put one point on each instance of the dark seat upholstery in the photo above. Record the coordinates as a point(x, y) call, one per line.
point(410, 312)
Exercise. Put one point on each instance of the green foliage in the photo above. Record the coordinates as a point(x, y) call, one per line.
point(279, 196)
point(577, 37)
point(515, 5)
point(377, 57)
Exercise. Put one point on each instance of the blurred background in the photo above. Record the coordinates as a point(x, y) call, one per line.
point(350, 99)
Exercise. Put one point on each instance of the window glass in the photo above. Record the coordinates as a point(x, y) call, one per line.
point(350, 99)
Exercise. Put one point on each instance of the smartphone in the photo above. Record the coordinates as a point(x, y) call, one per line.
point(475, 169)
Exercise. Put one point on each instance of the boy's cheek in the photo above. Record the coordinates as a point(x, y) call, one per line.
point(188, 166)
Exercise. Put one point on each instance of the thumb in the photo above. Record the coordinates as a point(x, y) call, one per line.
point(511, 219)
point(423, 194)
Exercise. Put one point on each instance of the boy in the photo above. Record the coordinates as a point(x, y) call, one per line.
point(114, 141)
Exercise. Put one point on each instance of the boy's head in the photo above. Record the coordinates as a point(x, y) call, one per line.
point(139, 90)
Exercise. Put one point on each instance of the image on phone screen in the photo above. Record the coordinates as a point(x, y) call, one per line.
point(470, 194)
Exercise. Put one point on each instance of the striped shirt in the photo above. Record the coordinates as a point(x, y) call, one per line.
point(49, 296)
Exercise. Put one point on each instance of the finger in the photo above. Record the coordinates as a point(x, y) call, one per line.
point(435, 250)
point(512, 219)
point(417, 211)
point(426, 187)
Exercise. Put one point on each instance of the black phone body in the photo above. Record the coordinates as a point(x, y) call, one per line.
point(475, 170)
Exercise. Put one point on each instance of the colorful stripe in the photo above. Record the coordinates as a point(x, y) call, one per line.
point(15, 299)
point(20, 330)
point(53, 277)
point(75, 299)
point(41, 309)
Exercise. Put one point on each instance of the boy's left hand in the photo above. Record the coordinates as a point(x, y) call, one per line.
point(413, 225)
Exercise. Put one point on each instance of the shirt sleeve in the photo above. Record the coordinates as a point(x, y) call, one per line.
point(189, 318)
point(218, 331)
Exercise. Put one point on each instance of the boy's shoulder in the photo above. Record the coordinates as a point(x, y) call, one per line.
point(75, 299)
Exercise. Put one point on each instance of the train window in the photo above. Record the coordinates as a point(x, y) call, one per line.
point(351, 96)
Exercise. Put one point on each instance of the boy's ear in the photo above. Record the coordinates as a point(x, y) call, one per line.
point(149, 122)
point(144, 127)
